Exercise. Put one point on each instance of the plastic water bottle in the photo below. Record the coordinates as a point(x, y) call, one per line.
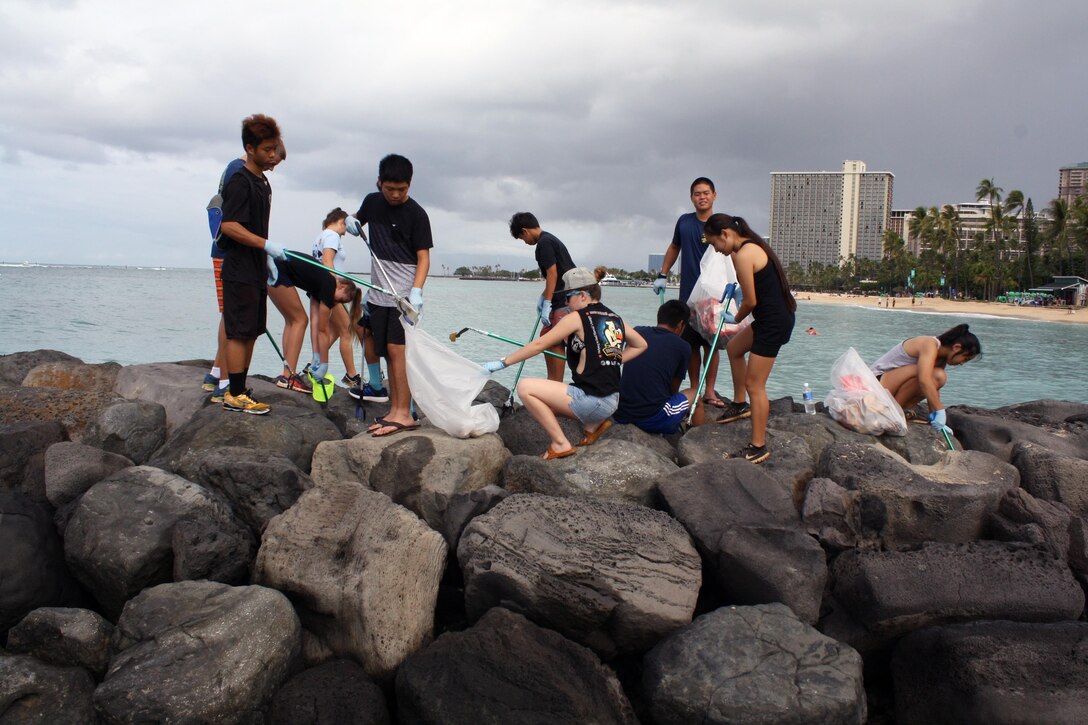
point(806, 396)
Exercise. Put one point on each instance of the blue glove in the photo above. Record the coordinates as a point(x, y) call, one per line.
point(354, 227)
point(546, 311)
point(728, 318)
point(659, 284)
point(415, 298)
point(493, 367)
point(938, 420)
point(274, 251)
point(273, 271)
point(738, 296)
point(318, 369)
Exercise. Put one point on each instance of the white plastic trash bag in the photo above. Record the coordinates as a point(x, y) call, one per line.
point(859, 402)
point(444, 384)
point(715, 272)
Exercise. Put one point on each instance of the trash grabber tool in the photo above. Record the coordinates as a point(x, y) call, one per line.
point(508, 406)
point(727, 297)
point(410, 313)
point(356, 280)
point(455, 335)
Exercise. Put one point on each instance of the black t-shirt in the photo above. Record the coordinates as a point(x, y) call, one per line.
point(549, 251)
point(247, 199)
point(316, 282)
point(396, 234)
point(646, 382)
point(600, 349)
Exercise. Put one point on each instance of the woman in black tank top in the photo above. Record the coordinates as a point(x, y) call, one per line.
point(597, 342)
point(767, 297)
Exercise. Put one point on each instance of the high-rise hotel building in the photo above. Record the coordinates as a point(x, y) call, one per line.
point(1073, 182)
point(826, 216)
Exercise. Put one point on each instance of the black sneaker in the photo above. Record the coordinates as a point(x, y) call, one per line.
point(352, 381)
point(369, 394)
point(735, 411)
point(752, 454)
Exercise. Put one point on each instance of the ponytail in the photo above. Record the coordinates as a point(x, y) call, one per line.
point(718, 223)
point(356, 308)
point(332, 217)
point(960, 335)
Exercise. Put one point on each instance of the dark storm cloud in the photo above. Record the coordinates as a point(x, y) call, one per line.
point(595, 115)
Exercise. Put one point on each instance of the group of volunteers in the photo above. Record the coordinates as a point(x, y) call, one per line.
point(619, 373)
point(253, 268)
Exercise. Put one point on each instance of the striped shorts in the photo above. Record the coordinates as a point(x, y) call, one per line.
point(217, 267)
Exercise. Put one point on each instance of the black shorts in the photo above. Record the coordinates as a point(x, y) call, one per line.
point(768, 336)
point(387, 328)
point(245, 310)
point(693, 338)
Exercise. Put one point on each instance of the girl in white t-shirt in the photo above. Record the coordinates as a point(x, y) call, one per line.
point(329, 250)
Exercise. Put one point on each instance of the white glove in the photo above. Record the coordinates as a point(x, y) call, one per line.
point(354, 227)
point(274, 251)
point(659, 284)
point(273, 271)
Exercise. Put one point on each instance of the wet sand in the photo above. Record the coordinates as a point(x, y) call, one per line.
point(955, 307)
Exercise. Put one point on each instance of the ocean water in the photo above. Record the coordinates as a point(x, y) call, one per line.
point(141, 315)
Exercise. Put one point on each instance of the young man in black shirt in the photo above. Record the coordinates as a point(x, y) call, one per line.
point(400, 245)
point(554, 261)
point(249, 261)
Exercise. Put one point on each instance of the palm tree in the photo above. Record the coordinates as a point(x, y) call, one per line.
point(1079, 228)
point(1031, 238)
point(990, 191)
point(1057, 231)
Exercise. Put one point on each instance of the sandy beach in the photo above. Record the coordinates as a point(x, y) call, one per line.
point(956, 307)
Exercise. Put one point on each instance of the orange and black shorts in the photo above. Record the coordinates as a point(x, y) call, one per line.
point(217, 267)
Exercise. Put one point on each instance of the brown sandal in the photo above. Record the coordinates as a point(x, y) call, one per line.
point(591, 438)
point(550, 455)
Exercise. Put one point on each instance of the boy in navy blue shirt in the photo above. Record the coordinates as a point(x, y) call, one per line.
point(650, 395)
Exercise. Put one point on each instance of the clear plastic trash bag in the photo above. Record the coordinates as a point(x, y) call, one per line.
point(444, 384)
point(715, 272)
point(859, 402)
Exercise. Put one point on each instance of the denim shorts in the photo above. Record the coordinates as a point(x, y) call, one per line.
point(590, 409)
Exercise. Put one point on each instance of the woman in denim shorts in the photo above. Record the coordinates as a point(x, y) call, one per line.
point(597, 343)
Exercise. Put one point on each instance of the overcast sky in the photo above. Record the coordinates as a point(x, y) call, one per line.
point(117, 116)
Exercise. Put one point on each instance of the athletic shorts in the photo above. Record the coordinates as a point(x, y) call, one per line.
point(387, 328)
point(668, 419)
point(245, 310)
point(217, 268)
point(768, 336)
point(590, 409)
point(553, 319)
point(284, 279)
point(693, 338)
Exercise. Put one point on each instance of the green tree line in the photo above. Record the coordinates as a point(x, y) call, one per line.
point(1007, 254)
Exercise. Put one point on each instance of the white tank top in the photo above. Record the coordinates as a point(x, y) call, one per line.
point(897, 357)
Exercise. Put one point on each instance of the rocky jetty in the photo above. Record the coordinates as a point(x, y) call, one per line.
point(167, 561)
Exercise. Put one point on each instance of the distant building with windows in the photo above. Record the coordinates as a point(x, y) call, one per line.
point(657, 261)
point(974, 216)
point(827, 216)
point(1073, 182)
